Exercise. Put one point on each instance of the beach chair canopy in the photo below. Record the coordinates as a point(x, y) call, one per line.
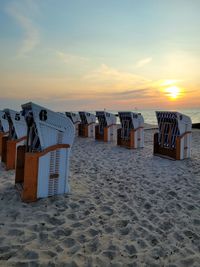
point(171, 125)
point(106, 118)
point(17, 124)
point(74, 117)
point(46, 128)
point(87, 118)
point(131, 120)
point(4, 126)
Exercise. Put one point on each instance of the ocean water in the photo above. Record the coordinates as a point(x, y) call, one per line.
point(150, 116)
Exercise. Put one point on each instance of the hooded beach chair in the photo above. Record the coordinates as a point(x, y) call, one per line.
point(173, 139)
point(105, 130)
point(4, 127)
point(75, 118)
point(16, 137)
point(43, 163)
point(131, 133)
point(87, 125)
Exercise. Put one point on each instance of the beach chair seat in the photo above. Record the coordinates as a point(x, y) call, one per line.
point(131, 133)
point(173, 139)
point(87, 126)
point(43, 162)
point(75, 118)
point(4, 128)
point(16, 136)
point(105, 130)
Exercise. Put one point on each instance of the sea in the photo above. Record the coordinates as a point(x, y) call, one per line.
point(150, 116)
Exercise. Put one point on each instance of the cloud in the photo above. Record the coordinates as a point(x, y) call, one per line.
point(71, 58)
point(141, 63)
point(104, 72)
point(134, 91)
point(143, 93)
point(110, 78)
point(18, 11)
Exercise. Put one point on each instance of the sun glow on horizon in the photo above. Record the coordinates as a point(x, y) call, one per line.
point(173, 92)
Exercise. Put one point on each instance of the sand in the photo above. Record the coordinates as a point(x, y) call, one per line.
point(126, 208)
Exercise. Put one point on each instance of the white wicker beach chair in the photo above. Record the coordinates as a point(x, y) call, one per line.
point(87, 125)
point(75, 118)
point(106, 128)
point(131, 133)
point(4, 128)
point(43, 163)
point(173, 139)
point(16, 137)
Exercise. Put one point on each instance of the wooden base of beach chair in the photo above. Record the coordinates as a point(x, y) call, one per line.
point(134, 141)
point(2, 134)
point(107, 135)
point(86, 130)
point(4, 148)
point(181, 151)
point(26, 174)
point(83, 130)
point(77, 128)
point(9, 148)
point(98, 136)
point(11, 154)
point(20, 161)
point(27, 169)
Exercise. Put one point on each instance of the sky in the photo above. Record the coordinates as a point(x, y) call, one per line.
point(91, 54)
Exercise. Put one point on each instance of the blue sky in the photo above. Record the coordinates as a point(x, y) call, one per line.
point(81, 53)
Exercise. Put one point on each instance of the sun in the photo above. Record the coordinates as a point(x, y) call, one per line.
point(173, 92)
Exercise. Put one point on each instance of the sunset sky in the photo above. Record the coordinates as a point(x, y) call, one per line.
point(91, 54)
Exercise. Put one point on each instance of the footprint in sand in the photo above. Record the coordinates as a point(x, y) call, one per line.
point(109, 230)
point(191, 235)
point(109, 254)
point(30, 255)
point(15, 232)
point(107, 210)
point(93, 232)
point(60, 233)
point(74, 206)
point(93, 245)
point(131, 249)
point(82, 239)
point(141, 243)
point(77, 225)
point(74, 250)
point(69, 242)
point(72, 216)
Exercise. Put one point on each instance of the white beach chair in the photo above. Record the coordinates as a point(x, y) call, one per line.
point(87, 125)
point(75, 118)
point(4, 127)
point(106, 128)
point(16, 137)
point(43, 163)
point(131, 133)
point(173, 139)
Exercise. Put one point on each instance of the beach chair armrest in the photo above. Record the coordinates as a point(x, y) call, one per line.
point(184, 134)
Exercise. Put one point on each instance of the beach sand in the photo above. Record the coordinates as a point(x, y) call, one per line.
point(126, 208)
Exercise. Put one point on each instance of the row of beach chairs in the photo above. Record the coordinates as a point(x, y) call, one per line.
point(36, 142)
point(130, 134)
point(173, 139)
